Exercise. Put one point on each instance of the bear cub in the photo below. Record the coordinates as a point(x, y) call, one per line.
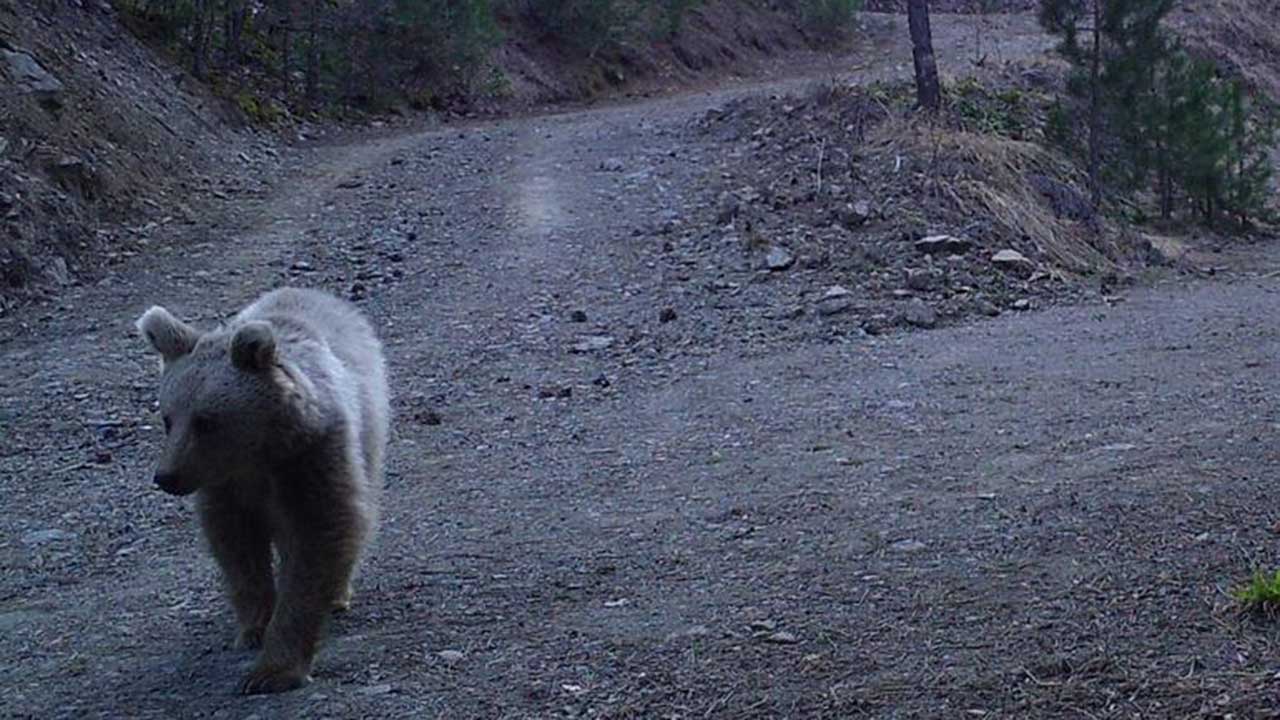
point(278, 422)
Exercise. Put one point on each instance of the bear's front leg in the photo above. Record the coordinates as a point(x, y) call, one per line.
point(313, 577)
point(241, 543)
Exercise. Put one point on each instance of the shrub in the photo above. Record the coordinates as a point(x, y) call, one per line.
point(586, 25)
point(1158, 118)
point(1262, 593)
point(672, 15)
point(828, 15)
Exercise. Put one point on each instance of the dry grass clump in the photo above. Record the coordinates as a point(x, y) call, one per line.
point(848, 179)
point(1030, 197)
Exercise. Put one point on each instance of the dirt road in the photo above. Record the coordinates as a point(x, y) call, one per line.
point(598, 510)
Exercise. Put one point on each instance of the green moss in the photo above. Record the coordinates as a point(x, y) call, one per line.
point(1262, 593)
point(423, 99)
point(1008, 112)
point(259, 111)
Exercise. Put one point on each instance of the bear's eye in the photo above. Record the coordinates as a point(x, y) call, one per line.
point(203, 424)
point(168, 423)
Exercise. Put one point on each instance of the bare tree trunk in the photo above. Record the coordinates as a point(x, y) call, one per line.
point(200, 40)
point(1164, 179)
point(1095, 109)
point(922, 52)
point(313, 54)
point(286, 49)
point(237, 14)
point(1164, 171)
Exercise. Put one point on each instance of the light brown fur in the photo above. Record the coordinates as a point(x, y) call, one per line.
point(279, 422)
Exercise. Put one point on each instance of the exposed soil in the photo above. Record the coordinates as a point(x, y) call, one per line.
point(621, 486)
point(1233, 33)
point(850, 201)
point(101, 143)
point(716, 38)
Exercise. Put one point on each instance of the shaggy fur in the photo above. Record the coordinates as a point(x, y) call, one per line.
point(278, 421)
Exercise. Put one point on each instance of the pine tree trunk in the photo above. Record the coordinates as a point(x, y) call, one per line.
point(237, 14)
point(313, 55)
point(1095, 109)
point(1165, 183)
point(286, 37)
point(349, 81)
point(922, 53)
point(200, 40)
point(1239, 201)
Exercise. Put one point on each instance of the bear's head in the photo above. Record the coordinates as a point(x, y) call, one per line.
point(227, 398)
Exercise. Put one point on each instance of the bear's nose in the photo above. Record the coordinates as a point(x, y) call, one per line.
point(167, 482)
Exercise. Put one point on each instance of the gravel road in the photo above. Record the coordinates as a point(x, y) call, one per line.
point(621, 488)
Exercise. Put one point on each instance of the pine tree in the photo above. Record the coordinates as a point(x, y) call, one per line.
point(1250, 137)
point(1065, 17)
point(1199, 144)
point(1130, 86)
point(1156, 116)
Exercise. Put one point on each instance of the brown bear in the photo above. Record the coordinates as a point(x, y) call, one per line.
point(278, 421)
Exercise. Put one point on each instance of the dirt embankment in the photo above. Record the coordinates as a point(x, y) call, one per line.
point(103, 142)
point(622, 486)
point(714, 38)
point(97, 135)
point(1239, 34)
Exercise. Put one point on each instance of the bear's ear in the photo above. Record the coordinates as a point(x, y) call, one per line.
point(170, 337)
point(253, 347)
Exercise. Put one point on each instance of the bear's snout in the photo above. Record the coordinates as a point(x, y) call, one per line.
point(170, 483)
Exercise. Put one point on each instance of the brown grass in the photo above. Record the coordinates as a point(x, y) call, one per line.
point(978, 175)
point(1240, 34)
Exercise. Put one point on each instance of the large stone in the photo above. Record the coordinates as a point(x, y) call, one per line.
point(943, 245)
point(908, 545)
point(918, 314)
point(1013, 261)
point(919, 280)
point(855, 214)
point(877, 324)
point(827, 308)
point(726, 208)
point(779, 258)
point(592, 343)
point(58, 271)
point(837, 299)
point(72, 174)
point(31, 77)
point(835, 292)
point(42, 537)
point(986, 307)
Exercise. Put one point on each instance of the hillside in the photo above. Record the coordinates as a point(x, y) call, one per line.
point(635, 474)
point(98, 135)
point(106, 140)
point(1239, 34)
point(715, 38)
